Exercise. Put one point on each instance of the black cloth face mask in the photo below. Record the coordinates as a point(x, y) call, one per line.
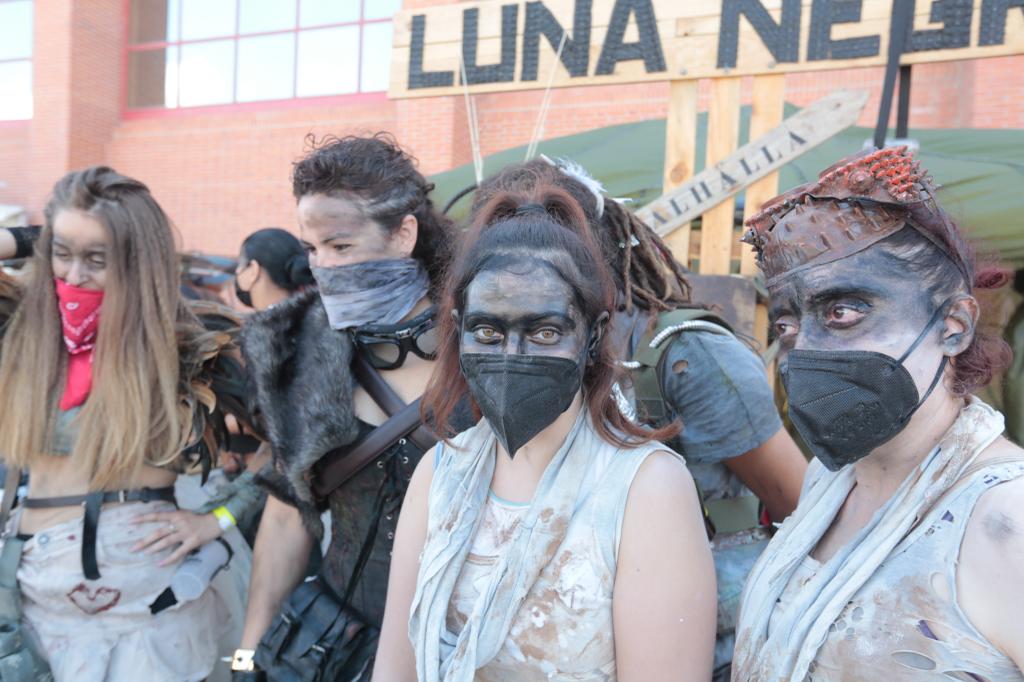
point(521, 395)
point(244, 297)
point(845, 404)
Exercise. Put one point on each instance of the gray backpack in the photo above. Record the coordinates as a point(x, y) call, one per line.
point(19, 660)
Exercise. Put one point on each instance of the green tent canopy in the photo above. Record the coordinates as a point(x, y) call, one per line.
point(981, 171)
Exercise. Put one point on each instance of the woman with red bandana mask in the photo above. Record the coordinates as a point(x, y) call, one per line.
point(112, 388)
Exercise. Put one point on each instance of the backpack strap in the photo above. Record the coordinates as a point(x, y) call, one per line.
point(11, 481)
point(650, 354)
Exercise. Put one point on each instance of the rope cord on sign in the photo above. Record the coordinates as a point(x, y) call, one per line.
point(474, 125)
point(545, 105)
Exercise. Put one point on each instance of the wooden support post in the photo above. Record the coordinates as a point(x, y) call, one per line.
point(716, 236)
point(766, 113)
point(681, 153)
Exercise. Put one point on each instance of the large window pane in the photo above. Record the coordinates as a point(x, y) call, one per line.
point(207, 19)
point(328, 61)
point(207, 73)
point(261, 16)
point(15, 91)
point(16, 29)
point(153, 78)
point(321, 12)
point(380, 9)
point(376, 57)
point(266, 68)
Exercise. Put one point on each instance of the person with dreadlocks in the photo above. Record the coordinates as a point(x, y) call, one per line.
point(686, 365)
point(903, 559)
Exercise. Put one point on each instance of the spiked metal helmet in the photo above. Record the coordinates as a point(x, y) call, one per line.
point(854, 204)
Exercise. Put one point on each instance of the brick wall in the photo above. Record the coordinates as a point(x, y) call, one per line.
point(15, 144)
point(221, 173)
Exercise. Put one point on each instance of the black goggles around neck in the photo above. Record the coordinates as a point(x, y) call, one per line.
point(387, 345)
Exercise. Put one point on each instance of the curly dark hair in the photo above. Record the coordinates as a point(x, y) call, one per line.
point(384, 179)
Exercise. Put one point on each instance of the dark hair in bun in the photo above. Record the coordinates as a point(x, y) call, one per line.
point(281, 255)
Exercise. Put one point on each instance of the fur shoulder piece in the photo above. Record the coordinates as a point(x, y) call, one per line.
point(301, 390)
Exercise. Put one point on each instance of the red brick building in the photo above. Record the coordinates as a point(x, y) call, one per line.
point(208, 101)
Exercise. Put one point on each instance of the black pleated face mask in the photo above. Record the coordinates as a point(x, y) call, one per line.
point(521, 395)
point(845, 404)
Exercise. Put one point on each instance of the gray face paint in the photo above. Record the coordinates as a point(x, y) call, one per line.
point(523, 350)
point(379, 291)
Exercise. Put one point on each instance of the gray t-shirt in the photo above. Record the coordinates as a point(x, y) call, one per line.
point(719, 390)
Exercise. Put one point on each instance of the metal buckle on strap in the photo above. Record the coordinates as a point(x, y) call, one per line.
point(122, 496)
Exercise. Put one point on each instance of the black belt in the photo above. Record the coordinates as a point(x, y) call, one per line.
point(91, 519)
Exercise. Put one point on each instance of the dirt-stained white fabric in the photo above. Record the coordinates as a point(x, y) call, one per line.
point(522, 594)
point(884, 607)
point(102, 630)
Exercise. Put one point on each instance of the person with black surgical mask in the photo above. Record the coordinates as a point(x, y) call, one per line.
point(336, 373)
point(272, 266)
point(903, 559)
point(556, 539)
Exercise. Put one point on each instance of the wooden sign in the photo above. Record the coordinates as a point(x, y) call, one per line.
point(512, 45)
point(798, 134)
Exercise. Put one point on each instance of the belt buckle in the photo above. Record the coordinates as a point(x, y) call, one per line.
point(122, 496)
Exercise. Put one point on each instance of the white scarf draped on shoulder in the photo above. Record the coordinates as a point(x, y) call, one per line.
point(457, 497)
point(788, 650)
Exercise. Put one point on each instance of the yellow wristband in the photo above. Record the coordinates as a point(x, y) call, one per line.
point(225, 518)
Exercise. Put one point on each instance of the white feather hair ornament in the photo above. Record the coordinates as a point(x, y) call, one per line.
point(579, 173)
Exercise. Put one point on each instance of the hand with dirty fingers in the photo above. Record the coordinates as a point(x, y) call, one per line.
point(183, 528)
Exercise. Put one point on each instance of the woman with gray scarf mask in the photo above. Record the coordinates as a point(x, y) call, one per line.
point(376, 248)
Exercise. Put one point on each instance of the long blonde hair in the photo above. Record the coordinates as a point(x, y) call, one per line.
point(133, 414)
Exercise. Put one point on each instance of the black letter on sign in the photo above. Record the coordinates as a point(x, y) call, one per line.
point(418, 78)
point(993, 20)
point(820, 46)
point(540, 21)
point(505, 70)
point(781, 39)
point(955, 17)
point(647, 48)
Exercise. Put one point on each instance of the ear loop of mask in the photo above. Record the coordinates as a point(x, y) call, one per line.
point(936, 316)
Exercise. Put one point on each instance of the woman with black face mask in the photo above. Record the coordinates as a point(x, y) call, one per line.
point(684, 364)
point(556, 539)
point(272, 266)
point(903, 559)
point(336, 373)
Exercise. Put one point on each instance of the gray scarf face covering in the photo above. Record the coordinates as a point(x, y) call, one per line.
point(380, 291)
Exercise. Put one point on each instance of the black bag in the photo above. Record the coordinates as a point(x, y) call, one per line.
point(316, 639)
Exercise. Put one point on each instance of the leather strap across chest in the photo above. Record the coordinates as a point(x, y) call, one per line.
point(336, 468)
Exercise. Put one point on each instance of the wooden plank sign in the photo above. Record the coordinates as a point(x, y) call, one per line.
point(511, 45)
point(798, 134)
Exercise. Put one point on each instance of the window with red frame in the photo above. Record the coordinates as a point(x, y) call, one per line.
point(189, 53)
point(16, 60)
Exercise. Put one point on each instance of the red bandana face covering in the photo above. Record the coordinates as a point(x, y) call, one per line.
point(80, 319)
